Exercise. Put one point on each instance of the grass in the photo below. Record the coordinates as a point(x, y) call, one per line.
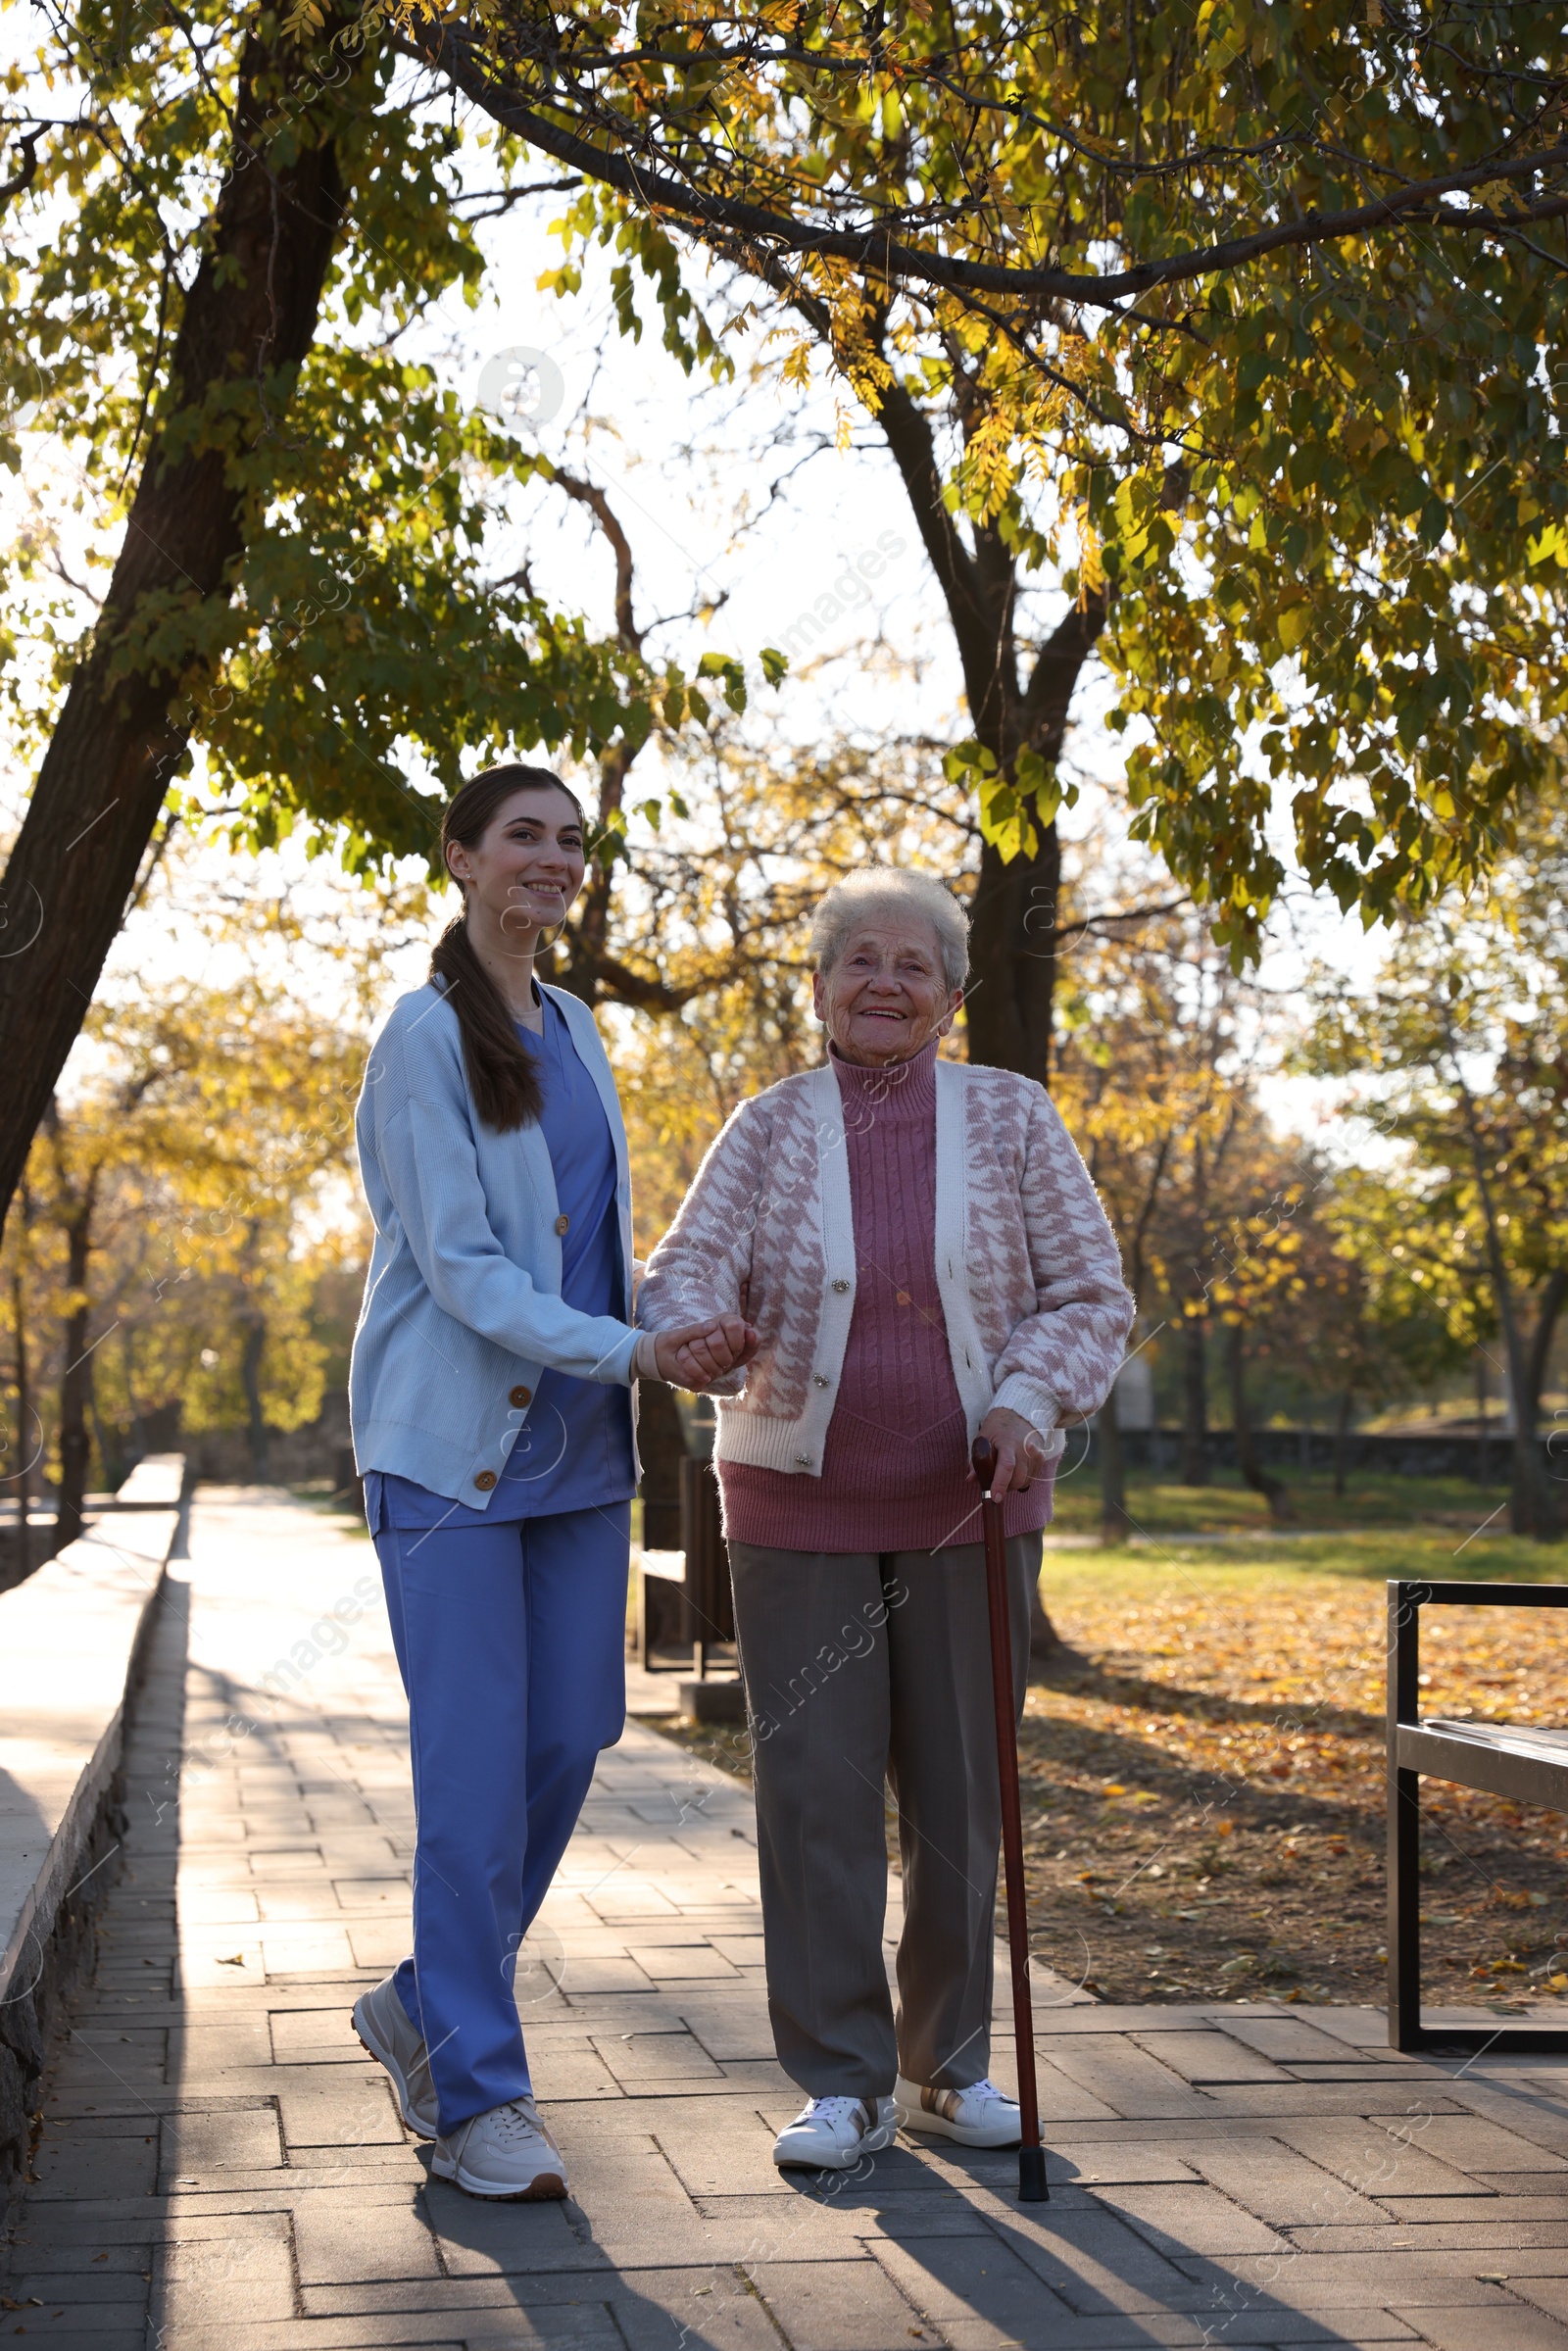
point(1226, 1507)
point(1203, 1764)
point(1203, 1760)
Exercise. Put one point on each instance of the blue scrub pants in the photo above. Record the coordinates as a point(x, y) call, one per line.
point(510, 1641)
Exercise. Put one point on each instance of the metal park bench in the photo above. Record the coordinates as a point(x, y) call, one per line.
point(1516, 1761)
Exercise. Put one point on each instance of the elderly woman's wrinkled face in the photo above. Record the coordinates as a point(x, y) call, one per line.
point(887, 996)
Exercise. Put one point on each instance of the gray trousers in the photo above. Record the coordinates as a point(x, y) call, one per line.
point(860, 1666)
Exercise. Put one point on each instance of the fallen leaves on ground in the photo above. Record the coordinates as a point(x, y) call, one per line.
point(1203, 1793)
point(1202, 1776)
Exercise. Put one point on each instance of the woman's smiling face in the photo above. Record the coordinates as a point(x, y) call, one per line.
point(528, 866)
point(887, 996)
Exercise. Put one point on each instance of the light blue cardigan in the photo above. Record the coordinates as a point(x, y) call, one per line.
point(462, 1305)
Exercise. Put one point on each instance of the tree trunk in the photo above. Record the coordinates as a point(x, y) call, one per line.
point(661, 1443)
point(1013, 960)
point(1532, 1504)
point(1531, 1486)
point(1274, 1490)
point(22, 1452)
point(1483, 1464)
point(76, 1384)
point(1341, 1430)
point(125, 725)
point(1194, 1468)
point(1012, 941)
point(1114, 1523)
point(250, 1372)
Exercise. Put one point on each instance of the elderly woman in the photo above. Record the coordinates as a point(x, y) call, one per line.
point(924, 1258)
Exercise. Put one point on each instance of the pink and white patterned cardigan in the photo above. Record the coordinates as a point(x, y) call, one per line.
point(1026, 1264)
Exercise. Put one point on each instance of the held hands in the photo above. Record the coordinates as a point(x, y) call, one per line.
point(1020, 1451)
point(705, 1350)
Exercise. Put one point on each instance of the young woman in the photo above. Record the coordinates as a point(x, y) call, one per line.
point(490, 1391)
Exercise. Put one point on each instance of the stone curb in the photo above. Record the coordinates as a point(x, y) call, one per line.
point(73, 1637)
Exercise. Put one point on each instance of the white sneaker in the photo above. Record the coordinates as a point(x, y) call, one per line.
point(831, 2134)
point(382, 2023)
point(981, 2115)
point(506, 2152)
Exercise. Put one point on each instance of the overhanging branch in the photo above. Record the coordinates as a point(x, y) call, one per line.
point(450, 50)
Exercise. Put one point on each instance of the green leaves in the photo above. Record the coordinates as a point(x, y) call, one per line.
point(1324, 482)
point(365, 644)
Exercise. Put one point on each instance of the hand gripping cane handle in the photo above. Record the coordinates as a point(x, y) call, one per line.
point(1032, 2187)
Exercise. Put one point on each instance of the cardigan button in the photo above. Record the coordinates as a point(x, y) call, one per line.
point(520, 1395)
point(841, 1284)
point(803, 1460)
point(486, 1480)
point(821, 1379)
point(561, 1223)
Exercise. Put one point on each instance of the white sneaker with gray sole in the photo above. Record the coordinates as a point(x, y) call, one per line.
point(506, 2153)
point(382, 2023)
point(981, 2115)
point(831, 2134)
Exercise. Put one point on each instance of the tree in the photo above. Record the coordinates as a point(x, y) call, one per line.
point(1464, 1037)
point(214, 261)
point(174, 1186)
point(1156, 1081)
point(1374, 1328)
point(1249, 323)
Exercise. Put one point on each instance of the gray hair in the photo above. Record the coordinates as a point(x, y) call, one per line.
point(914, 895)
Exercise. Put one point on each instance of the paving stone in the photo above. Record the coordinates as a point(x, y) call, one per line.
point(838, 2305)
point(1550, 2294)
point(1091, 2257)
point(315, 2036)
point(347, 2114)
point(1192, 2220)
point(1496, 2233)
point(1108, 2162)
point(379, 1944)
point(696, 2309)
point(1124, 2077)
point(1373, 2160)
point(245, 2138)
point(1474, 2145)
point(1385, 2277)
point(80, 2166)
point(1290, 2040)
point(639, 2058)
point(1488, 2330)
point(339, 2240)
point(1539, 2116)
point(208, 2281)
point(732, 2160)
point(1202, 2058)
point(977, 2282)
point(1281, 2185)
point(123, 2290)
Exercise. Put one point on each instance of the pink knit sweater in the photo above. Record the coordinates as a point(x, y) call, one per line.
point(895, 1465)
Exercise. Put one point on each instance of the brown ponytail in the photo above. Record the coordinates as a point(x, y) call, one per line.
point(503, 1075)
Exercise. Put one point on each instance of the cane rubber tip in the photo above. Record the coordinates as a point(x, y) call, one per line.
point(1032, 2188)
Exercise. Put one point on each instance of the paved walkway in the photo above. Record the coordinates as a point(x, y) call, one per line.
point(217, 2164)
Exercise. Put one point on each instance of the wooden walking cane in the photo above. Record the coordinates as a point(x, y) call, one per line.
point(1032, 2188)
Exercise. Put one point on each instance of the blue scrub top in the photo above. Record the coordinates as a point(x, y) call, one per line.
point(574, 1450)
